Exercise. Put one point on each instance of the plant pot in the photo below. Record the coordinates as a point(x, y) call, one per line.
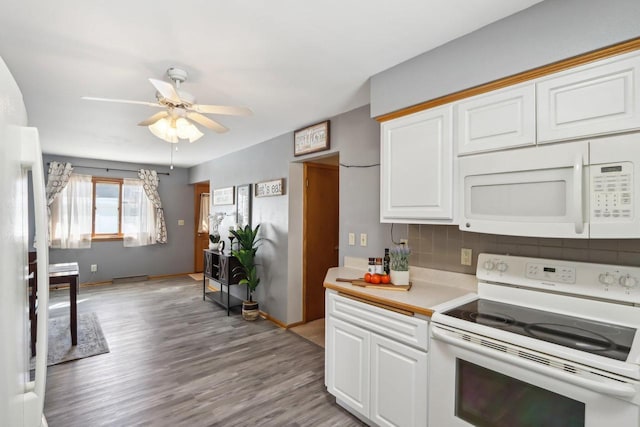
point(250, 310)
point(399, 277)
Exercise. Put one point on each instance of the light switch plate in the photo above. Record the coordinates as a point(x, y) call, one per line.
point(363, 239)
point(352, 239)
point(181, 222)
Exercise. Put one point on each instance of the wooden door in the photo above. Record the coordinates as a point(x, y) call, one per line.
point(201, 239)
point(321, 228)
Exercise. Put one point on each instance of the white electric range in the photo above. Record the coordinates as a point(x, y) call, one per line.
point(542, 343)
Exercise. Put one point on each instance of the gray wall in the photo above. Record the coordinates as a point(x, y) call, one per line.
point(112, 258)
point(546, 32)
point(355, 137)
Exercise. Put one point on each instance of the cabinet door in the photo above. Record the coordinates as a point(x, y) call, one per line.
point(593, 99)
point(497, 120)
point(347, 359)
point(417, 168)
point(398, 384)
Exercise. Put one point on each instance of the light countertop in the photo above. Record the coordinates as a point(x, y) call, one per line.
point(429, 288)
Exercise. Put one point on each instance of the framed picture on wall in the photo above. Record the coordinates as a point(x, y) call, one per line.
point(223, 196)
point(311, 139)
point(274, 187)
point(243, 205)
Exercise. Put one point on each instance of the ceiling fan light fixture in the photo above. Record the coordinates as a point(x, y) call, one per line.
point(172, 130)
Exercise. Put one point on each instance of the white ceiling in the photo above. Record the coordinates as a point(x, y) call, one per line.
point(293, 62)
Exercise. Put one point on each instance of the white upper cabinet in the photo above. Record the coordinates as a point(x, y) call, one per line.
point(598, 98)
point(496, 120)
point(417, 168)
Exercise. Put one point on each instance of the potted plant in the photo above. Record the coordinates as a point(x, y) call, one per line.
point(400, 264)
point(246, 256)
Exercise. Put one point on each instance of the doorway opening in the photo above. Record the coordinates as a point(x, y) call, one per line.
point(321, 214)
point(201, 202)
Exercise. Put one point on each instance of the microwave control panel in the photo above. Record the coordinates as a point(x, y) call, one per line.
point(611, 192)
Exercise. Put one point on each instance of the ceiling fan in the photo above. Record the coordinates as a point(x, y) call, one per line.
point(180, 107)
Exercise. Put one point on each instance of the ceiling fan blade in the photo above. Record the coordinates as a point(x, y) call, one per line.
point(166, 90)
point(151, 120)
point(221, 109)
point(207, 122)
point(123, 101)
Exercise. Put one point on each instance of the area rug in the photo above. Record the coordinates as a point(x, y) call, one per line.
point(197, 276)
point(91, 340)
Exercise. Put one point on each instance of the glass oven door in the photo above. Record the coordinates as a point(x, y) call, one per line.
point(472, 383)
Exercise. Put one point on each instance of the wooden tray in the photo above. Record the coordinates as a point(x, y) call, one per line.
point(387, 286)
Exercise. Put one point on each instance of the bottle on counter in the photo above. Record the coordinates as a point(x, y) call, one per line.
point(386, 265)
point(372, 266)
point(379, 269)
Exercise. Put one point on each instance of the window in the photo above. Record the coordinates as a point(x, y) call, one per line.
point(107, 214)
point(93, 208)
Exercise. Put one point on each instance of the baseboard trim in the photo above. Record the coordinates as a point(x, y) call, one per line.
point(167, 276)
point(294, 324)
point(272, 319)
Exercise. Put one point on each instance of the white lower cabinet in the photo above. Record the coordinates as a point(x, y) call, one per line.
point(398, 384)
point(379, 378)
point(349, 377)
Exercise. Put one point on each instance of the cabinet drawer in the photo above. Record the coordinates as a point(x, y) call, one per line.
point(405, 329)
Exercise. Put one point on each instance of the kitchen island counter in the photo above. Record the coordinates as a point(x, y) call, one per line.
point(429, 288)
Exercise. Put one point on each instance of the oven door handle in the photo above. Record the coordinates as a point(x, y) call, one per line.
point(619, 390)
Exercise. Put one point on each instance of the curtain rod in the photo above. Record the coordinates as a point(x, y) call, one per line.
point(110, 169)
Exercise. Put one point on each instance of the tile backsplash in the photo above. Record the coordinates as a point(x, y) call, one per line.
point(438, 246)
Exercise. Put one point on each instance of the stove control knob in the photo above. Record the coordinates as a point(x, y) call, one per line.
point(606, 278)
point(502, 267)
point(628, 281)
point(489, 265)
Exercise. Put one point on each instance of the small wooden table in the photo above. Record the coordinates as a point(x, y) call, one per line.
point(68, 272)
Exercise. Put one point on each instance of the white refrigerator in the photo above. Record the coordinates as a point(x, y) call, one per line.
point(21, 400)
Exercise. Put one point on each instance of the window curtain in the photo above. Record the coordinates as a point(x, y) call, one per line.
point(150, 185)
point(71, 214)
point(138, 215)
point(57, 179)
point(203, 218)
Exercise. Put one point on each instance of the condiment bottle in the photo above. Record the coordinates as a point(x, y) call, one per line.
point(386, 265)
point(378, 269)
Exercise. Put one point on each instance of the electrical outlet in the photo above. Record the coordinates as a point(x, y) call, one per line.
point(94, 268)
point(363, 239)
point(352, 239)
point(465, 256)
point(181, 222)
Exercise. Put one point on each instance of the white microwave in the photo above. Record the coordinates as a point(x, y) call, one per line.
point(582, 189)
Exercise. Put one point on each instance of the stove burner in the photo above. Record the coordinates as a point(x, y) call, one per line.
point(492, 319)
point(570, 336)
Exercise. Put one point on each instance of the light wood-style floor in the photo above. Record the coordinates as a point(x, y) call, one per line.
point(176, 360)
point(313, 331)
